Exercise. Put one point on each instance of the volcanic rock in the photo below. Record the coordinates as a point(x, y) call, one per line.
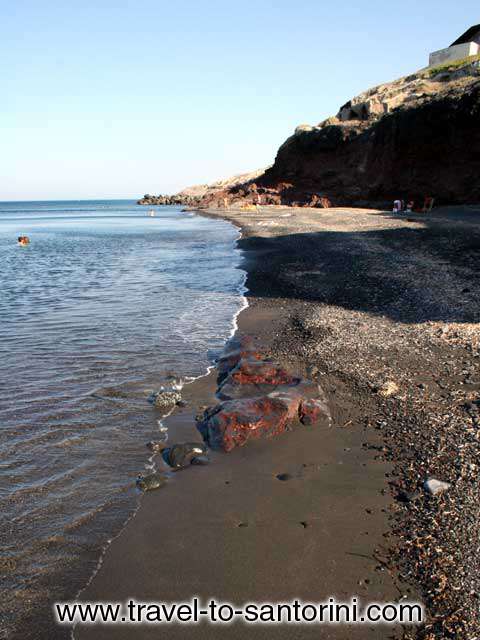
point(233, 422)
point(151, 481)
point(312, 411)
point(259, 399)
point(183, 455)
point(165, 399)
point(236, 349)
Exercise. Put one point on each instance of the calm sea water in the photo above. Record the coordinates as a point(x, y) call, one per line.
point(102, 304)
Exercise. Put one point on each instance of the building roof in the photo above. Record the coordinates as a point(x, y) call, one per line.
point(468, 36)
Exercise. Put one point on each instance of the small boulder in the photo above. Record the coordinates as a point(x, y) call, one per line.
point(236, 349)
point(180, 456)
point(165, 399)
point(252, 371)
point(232, 423)
point(435, 487)
point(312, 371)
point(151, 481)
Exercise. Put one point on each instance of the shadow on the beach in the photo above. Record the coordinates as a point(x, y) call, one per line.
point(421, 274)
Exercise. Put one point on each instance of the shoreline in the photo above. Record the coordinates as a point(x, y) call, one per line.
point(363, 451)
point(198, 550)
point(189, 381)
point(63, 564)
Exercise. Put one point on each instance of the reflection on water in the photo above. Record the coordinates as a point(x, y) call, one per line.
point(104, 302)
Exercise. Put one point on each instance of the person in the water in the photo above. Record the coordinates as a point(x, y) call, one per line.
point(23, 240)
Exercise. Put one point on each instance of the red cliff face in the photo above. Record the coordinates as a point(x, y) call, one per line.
point(413, 138)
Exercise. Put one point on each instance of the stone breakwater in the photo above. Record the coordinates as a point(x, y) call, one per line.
point(258, 398)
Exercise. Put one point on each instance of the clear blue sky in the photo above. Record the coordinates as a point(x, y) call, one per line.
point(119, 98)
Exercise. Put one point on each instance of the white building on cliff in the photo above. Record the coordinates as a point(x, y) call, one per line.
point(466, 45)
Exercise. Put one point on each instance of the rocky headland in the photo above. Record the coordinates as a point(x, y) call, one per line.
point(196, 194)
point(412, 138)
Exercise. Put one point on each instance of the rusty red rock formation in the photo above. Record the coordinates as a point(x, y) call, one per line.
point(259, 399)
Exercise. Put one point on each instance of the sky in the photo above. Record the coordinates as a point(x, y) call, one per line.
point(104, 99)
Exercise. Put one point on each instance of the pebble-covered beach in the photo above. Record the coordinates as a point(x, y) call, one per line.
point(382, 312)
point(385, 308)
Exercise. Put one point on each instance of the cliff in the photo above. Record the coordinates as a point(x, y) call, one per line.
point(412, 138)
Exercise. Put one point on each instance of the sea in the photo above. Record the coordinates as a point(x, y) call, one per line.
point(107, 301)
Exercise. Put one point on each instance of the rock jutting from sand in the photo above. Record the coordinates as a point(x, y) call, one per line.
point(165, 399)
point(235, 350)
point(180, 456)
point(258, 399)
point(151, 481)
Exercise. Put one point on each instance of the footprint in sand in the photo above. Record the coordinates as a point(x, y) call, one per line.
point(284, 477)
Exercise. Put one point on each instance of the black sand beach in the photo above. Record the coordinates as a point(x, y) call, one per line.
point(383, 312)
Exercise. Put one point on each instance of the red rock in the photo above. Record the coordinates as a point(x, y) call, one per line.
point(312, 411)
point(252, 371)
point(232, 423)
point(259, 399)
point(231, 391)
point(236, 350)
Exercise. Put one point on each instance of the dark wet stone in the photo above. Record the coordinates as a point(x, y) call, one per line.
point(151, 481)
point(180, 456)
point(312, 371)
point(200, 460)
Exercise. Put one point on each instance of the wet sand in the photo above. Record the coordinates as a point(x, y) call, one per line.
point(235, 532)
point(368, 300)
